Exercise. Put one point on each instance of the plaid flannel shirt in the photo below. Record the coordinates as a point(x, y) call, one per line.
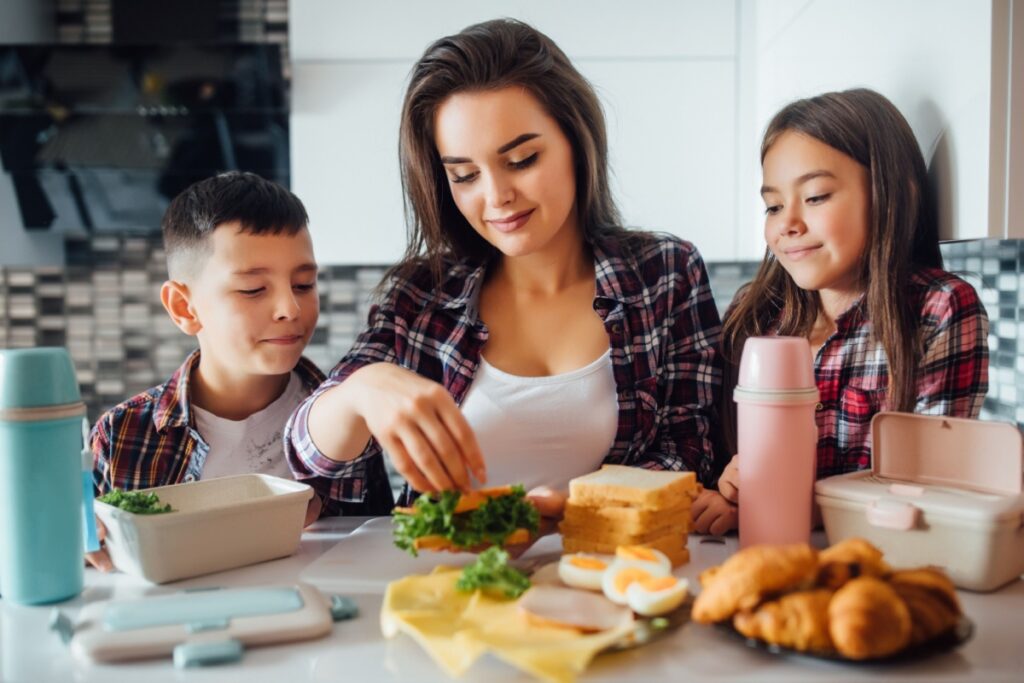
point(853, 374)
point(151, 440)
point(663, 329)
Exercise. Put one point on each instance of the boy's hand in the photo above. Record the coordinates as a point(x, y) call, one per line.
point(729, 482)
point(713, 514)
point(100, 559)
point(419, 425)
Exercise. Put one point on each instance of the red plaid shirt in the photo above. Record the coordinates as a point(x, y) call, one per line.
point(662, 326)
point(853, 374)
point(151, 440)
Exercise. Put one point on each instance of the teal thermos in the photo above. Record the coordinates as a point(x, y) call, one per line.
point(41, 502)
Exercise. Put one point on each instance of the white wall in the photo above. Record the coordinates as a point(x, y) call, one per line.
point(688, 88)
point(664, 70)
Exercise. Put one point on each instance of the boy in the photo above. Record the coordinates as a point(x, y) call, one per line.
point(242, 280)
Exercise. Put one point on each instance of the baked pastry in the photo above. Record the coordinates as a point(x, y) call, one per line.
point(750, 575)
point(847, 560)
point(797, 620)
point(867, 619)
point(931, 599)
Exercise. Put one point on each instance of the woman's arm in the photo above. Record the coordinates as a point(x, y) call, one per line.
point(692, 373)
point(369, 404)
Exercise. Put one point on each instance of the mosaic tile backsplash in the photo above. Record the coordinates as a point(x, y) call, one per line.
point(105, 308)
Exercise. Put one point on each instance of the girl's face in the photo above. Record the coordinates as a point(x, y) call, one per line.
point(510, 169)
point(818, 210)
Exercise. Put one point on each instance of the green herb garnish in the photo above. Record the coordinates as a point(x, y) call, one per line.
point(490, 524)
point(492, 575)
point(135, 502)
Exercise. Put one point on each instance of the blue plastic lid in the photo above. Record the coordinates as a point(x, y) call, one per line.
point(33, 378)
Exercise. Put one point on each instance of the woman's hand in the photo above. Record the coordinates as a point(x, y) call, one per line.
point(729, 482)
point(550, 503)
point(100, 559)
point(417, 422)
point(713, 514)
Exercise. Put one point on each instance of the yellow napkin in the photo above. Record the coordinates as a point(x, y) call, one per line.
point(457, 628)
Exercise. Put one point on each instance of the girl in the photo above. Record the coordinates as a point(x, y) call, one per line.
point(526, 337)
point(853, 264)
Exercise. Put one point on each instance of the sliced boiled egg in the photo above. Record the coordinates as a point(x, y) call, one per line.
point(654, 561)
point(656, 595)
point(617, 579)
point(582, 571)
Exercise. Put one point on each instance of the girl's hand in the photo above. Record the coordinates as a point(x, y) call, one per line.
point(100, 559)
point(417, 422)
point(729, 482)
point(713, 514)
point(550, 503)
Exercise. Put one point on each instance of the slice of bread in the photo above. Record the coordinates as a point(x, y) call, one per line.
point(633, 486)
point(673, 545)
point(611, 534)
point(628, 520)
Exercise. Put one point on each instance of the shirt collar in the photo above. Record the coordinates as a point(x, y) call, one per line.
point(174, 407)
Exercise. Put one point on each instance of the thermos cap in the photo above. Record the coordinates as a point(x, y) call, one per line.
point(776, 364)
point(37, 378)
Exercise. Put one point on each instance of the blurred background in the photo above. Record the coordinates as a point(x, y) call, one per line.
point(108, 108)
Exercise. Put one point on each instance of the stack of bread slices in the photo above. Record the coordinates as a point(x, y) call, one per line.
point(629, 506)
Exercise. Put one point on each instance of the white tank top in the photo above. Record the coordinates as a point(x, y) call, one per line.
point(539, 431)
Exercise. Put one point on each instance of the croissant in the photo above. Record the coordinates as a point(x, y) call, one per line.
point(931, 599)
point(796, 620)
point(749, 575)
point(847, 560)
point(867, 619)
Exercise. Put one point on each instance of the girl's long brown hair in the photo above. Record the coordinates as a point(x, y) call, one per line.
point(902, 235)
point(489, 56)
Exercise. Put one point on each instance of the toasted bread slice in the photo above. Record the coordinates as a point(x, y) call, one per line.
point(611, 535)
point(440, 543)
point(617, 485)
point(626, 520)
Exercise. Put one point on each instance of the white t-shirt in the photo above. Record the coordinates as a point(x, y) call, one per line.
point(543, 430)
point(252, 445)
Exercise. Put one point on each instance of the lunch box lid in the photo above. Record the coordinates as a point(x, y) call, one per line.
point(968, 470)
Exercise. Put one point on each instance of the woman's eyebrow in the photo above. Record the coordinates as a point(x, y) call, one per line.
point(511, 144)
point(765, 189)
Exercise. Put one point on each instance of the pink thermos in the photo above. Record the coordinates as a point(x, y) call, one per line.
point(777, 440)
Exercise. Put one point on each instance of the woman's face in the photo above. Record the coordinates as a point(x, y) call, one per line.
point(818, 204)
point(510, 169)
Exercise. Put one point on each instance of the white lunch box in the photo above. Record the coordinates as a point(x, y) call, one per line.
point(941, 491)
point(217, 524)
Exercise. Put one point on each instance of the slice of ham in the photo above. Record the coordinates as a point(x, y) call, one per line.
point(572, 608)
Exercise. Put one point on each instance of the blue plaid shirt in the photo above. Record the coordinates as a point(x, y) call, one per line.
point(663, 329)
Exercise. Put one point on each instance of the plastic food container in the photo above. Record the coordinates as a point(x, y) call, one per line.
point(941, 491)
point(216, 524)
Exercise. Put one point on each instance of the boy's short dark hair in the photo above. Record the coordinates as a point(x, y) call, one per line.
point(260, 207)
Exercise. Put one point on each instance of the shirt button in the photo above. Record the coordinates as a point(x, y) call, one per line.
point(190, 478)
point(617, 328)
point(820, 406)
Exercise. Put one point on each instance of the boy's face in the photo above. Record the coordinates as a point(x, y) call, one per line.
point(256, 301)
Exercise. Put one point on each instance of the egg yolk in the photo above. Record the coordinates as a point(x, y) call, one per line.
point(627, 576)
point(636, 552)
point(587, 563)
point(658, 583)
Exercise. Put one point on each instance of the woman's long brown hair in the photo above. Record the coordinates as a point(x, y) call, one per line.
point(489, 56)
point(902, 236)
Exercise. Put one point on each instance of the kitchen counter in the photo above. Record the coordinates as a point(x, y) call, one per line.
point(356, 651)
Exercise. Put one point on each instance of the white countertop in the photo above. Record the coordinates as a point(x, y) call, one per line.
point(356, 651)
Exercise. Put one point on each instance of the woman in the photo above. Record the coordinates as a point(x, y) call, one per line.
point(526, 337)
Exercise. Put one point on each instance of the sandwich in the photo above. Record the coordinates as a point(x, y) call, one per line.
point(629, 506)
point(454, 521)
